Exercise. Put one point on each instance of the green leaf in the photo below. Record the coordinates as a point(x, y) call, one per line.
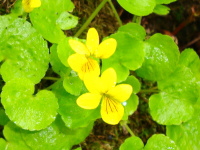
point(2, 144)
point(160, 142)
point(164, 1)
point(5, 21)
point(64, 51)
point(73, 85)
point(3, 117)
point(31, 112)
point(128, 48)
point(161, 58)
point(56, 64)
point(187, 134)
point(161, 10)
point(133, 143)
point(138, 7)
point(67, 21)
point(170, 109)
point(181, 83)
point(44, 18)
point(24, 51)
point(56, 136)
point(134, 30)
point(73, 115)
point(134, 82)
point(190, 59)
point(130, 106)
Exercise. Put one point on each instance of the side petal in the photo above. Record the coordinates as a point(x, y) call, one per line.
point(79, 47)
point(88, 100)
point(76, 61)
point(111, 111)
point(89, 68)
point(26, 6)
point(121, 92)
point(109, 78)
point(92, 41)
point(106, 48)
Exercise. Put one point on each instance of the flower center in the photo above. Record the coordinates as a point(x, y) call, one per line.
point(88, 66)
point(111, 105)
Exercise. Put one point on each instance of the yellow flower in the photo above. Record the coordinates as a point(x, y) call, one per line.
point(29, 5)
point(104, 88)
point(82, 61)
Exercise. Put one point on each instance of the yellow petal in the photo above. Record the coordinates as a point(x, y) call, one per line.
point(109, 79)
point(106, 48)
point(35, 3)
point(76, 61)
point(89, 68)
point(88, 100)
point(111, 111)
point(29, 5)
point(92, 41)
point(121, 92)
point(78, 47)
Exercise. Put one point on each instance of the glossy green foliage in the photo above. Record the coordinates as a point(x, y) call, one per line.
point(161, 57)
point(164, 1)
point(134, 30)
point(2, 144)
point(50, 18)
point(3, 117)
point(71, 113)
point(31, 112)
point(132, 143)
point(187, 134)
point(190, 59)
point(161, 9)
point(56, 136)
point(133, 48)
point(23, 50)
point(67, 21)
point(160, 142)
point(138, 7)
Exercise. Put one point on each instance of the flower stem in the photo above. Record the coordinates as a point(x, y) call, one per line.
point(137, 19)
point(124, 124)
point(88, 21)
point(115, 12)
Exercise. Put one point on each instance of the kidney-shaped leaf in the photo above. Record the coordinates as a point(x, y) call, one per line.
point(138, 7)
point(161, 57)
point(160, 142)
point(133, 143)
point(44, 18)
point(170, 109)
point(25, 52)
point(31, 112)
point(187, 134)
point(55, 137)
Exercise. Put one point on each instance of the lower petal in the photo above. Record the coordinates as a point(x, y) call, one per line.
point(111, 111)
point(89, 100)
point(89, 68)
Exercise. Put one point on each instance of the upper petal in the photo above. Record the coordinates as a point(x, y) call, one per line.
point(88, 100)
point(111, 111)
point(92, 41)
point(121, 92)
point(79, 47)
point(106, 48)
point(89, 68)
point(76, 61)
point(109, 79)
